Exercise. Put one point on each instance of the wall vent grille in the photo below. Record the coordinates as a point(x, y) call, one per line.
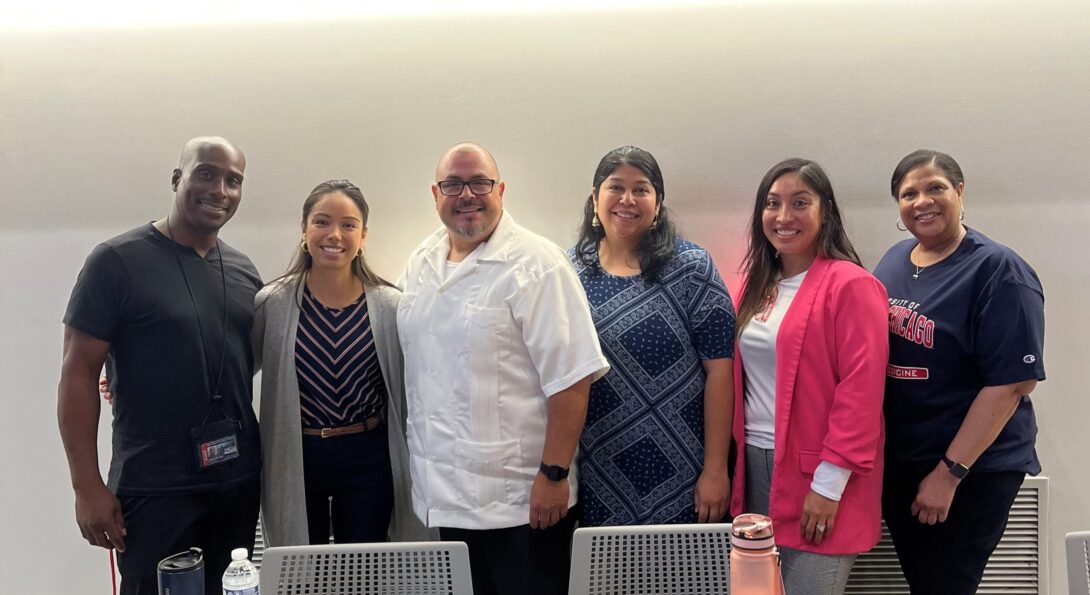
point(1019, 565)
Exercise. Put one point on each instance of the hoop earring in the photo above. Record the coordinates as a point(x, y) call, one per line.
point(594, 222)
point(899, 226)
point(303, 246)
point(359, 254)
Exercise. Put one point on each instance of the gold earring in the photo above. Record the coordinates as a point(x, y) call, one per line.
point(303, 246)
point(594, 222)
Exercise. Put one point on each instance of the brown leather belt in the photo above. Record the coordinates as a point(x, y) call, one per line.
point(363, 426)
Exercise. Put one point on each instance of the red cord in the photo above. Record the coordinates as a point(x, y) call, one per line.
point(113, 573)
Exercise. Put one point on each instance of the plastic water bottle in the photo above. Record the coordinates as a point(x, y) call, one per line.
point(754, 561)
point(240, 578)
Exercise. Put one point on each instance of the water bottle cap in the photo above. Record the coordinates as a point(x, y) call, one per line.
point(183, 562)
point(752, 532)
point(239, 553)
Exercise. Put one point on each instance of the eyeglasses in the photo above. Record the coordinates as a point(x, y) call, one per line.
point(454, 187)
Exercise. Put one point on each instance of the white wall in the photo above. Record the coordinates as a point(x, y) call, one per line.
point(91, 122)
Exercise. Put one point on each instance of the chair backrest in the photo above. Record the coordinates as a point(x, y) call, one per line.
point(1078, 563)
point(432, 568)
point(646, 559)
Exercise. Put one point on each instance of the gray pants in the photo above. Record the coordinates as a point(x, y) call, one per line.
point(804, 573)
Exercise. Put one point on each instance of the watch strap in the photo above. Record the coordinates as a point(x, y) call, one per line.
point(554, 472)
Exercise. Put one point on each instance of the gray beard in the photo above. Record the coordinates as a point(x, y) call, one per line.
point(468, 230)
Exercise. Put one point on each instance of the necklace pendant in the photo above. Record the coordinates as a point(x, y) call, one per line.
point(915, 276)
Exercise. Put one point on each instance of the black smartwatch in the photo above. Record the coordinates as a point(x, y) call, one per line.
point(554, 472)
point(956, 469)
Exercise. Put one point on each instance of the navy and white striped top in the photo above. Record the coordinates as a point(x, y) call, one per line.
point(340, 382)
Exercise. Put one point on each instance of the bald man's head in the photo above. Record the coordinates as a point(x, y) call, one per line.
point(468, 194)
point(467, 147)
point(207, 184)
point(194, 146)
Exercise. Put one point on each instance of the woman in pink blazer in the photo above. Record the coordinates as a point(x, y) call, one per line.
point(809, 378)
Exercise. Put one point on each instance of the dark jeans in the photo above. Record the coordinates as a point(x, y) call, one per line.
point(948, 557)
point(348, 480)
point(518, 560)
point(160, 526)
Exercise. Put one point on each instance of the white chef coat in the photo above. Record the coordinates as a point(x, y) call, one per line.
point(485, 346)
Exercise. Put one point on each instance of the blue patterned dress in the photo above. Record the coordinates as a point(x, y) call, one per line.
point(642, 448)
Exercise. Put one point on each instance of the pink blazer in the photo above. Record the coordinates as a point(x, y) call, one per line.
point(831, 355)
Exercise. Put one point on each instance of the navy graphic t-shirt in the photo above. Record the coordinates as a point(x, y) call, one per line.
point(975, 319)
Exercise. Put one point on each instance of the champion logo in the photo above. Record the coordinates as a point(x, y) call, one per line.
point(1029, 359)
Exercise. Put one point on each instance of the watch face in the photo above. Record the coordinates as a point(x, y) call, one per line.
point(957, 469)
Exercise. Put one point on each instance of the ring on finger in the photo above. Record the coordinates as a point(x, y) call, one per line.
point(820, 528)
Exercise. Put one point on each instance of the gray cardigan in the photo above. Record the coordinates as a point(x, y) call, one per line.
point(283, 505)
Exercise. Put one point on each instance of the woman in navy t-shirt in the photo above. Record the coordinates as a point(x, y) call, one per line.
point(966, 322)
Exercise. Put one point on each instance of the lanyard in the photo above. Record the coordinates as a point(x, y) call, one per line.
point(213, 389)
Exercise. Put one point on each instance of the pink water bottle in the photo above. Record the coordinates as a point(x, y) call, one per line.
point(754, 561)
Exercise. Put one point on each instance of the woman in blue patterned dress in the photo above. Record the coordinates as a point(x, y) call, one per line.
point(654, 448)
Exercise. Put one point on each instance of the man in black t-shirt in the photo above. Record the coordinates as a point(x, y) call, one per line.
point(167, 307)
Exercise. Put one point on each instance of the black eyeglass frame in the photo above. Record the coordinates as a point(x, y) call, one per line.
point(445, 186)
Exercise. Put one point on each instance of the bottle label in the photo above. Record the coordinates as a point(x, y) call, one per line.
point(246, 591)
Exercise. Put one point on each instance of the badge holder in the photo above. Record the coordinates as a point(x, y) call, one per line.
point(217, 442)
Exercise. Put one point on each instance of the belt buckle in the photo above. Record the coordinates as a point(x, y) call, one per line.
point(327, 432)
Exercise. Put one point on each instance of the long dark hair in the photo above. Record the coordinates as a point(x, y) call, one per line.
point(761, 265)
point(302, 261)
point(657, 247)
point(920, 158)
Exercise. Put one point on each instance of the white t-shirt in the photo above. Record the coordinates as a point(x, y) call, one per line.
point(757, 345)
point(485, 346)
point(452, 265)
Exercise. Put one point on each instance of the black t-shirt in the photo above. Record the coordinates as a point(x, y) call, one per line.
point(975, 319)
point(133, 294)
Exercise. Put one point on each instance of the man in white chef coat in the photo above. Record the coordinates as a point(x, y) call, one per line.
point(500, 351)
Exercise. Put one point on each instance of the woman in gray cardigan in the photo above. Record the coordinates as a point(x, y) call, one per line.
point(332, 405)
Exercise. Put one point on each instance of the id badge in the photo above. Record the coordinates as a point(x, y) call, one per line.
point(215, 443)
